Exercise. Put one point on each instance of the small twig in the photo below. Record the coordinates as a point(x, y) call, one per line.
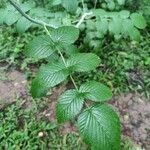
point(83, 4)
point(72, 79)
point(39, 22)
point(82, 18)
point(64, 61)
point(95, 4)
point(47, 30)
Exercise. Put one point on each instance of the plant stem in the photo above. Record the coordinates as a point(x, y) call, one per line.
point(82, 18)
point(63, 59)
point(73, 81)
point(39, 22)
point(47, 30)
point(83, 4)
point(95, 4)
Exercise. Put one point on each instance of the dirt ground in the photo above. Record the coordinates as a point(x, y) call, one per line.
point(12, 86)
point(135, 118)
point(134, 110)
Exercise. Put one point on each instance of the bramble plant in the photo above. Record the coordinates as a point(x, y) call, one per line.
point(97, 122)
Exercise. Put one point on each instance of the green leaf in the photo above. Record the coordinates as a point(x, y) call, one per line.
point(127, 26)
point(99, 13)
point(40, 12)
point(83, 62)
point(38, 89)
point(70, 5)
point(100, 127)
point(115, 25)
point(138, 20)
point(56, 2)
point(11, 17)
point(53, 58)
point(90, 24)
point(102, 25)
point(51, 74)
point(9, 7)
point(96, 91)
point(71, 50)
point(65, 35)
point(121, 2)
point(40, 47)
point(135, 34)
point(111, 5)
point(3, 13)
point(111, 15)
point(23, 24)
point(69, 105)
point(27, 6)
point(124, 14)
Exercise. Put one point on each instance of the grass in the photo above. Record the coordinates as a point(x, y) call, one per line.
point(21, 129)
point(127, 64)
point(12, 48)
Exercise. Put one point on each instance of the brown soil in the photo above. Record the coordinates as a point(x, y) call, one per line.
point(135, 118)
point(134, 111)
point(13, 85)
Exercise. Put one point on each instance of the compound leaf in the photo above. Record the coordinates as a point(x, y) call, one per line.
point(69, 105)
point(96, 91)
point(100, 127)
point(65, 35)
point(40, 47)
point(138, 20)
point(83, 62)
